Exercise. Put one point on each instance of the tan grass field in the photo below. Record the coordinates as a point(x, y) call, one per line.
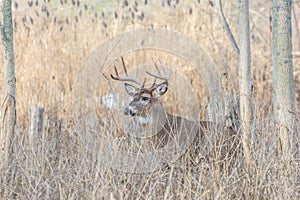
point(52, 42)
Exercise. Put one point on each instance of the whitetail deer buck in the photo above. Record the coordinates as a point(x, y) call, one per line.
point(150, 114)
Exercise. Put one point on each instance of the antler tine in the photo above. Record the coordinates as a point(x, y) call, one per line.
point(126, 77)
point(116, 71)
point(162, 68)
point(144, 82)
point(159, 76)
point(124, 66)
point(169, 73)
point(136, 73)
point(165, 73)
point(153, 84)
point(157, 69)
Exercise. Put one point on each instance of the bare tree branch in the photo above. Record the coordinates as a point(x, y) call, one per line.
point(227, 28)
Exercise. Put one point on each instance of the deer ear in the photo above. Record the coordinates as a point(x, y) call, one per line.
point(161, 89)
point(130, 89)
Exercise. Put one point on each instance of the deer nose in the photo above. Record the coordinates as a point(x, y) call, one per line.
point(128, 111)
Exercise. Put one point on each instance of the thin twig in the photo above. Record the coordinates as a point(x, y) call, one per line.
point(227, 28)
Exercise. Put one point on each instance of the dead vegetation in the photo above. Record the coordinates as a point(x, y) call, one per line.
point(52, 41)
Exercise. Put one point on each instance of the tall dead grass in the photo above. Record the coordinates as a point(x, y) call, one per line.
point(51, 44)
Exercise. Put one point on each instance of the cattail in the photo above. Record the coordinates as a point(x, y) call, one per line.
point(85, 7)
point(177, 1)
point(104, 24)
point(116, 15)
point(142, 16)
point(67, 20)
point(61, 28)
point(15, 24)
point(61, 2)
point(37, 13)
point(28, 31)
point(211, 3)
point(30, 3)
point(132, 15)
point(191, 11)
point(36, 2)
point(78, 3)
point(44, 8)
point(135, 8)
point(103, 15)
point(54, 19)
point(16, 6)
point(31, 20)
point(24, 20)
point(73, 2)
point(198, 1)
point(169, 2)
point(125, 3)
point(146, 2)
point(135, 3)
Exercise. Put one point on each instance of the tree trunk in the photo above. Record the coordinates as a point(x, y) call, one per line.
point(245, 82)
point(283, 81)
point(8, 112)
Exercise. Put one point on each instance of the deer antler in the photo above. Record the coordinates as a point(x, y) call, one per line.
point(159, 76)
point(126, 77)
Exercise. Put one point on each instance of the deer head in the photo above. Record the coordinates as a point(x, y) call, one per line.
point(143, 99)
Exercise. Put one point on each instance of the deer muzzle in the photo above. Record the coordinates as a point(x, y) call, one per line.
point(130, 111)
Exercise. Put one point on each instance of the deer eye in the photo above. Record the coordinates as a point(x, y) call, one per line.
point(145, 98)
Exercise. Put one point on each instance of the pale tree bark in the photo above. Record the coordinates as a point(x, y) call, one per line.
point(8, 110)
point(245, 82)
point(284, 100)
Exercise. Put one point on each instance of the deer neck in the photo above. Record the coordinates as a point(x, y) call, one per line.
point(153, 115)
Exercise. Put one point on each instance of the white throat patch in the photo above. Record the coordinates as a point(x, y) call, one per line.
point(145, 120)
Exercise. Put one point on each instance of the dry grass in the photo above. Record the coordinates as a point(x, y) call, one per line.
point(63, 164)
